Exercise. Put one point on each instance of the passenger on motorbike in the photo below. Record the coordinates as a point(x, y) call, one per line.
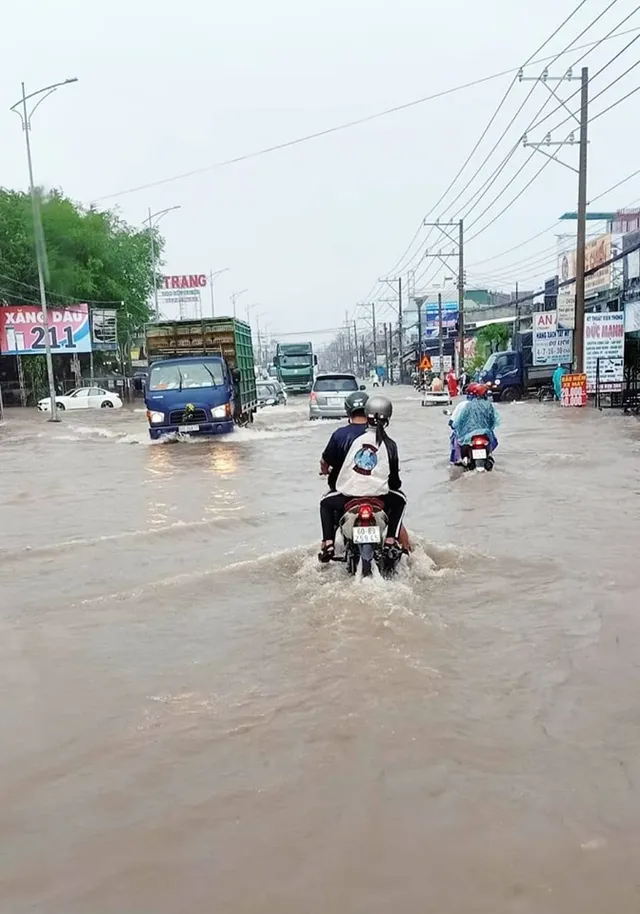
point(474, 416)
point(361, 460)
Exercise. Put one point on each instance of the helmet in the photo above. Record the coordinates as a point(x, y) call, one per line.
point(477, 390)
point(356, 402)
point(379, 407)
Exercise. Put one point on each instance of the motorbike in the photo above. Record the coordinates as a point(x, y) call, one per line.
point(363, 527)
point(477, 455)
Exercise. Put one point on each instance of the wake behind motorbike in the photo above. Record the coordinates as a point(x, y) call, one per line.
point(364, 527)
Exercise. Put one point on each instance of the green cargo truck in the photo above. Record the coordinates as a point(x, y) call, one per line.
point(201, 376)
point(296, 366)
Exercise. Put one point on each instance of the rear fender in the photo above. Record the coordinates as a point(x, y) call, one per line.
point(349, 519)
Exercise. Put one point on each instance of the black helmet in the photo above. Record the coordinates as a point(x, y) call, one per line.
point(356, 402)
point(379, 408)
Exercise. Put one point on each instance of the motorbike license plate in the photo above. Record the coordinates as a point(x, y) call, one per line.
point(362, 535)
point(188, 428)
point(479, 454)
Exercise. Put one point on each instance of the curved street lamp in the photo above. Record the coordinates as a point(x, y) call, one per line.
point(153, 219)
point(22, 110)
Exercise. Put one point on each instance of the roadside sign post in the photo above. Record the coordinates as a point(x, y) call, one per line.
point(574, 390)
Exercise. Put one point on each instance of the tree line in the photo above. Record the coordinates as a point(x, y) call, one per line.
point(92, 256)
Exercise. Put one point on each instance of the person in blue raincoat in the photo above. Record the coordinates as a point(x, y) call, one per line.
point(474, 416)
point(558, 375)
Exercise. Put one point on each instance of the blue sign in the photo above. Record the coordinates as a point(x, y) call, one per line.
point(430, 320)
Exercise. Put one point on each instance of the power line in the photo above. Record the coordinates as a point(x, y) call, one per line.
point(493, 177)
point(551, 157)
point(497, 172)
point(535, 125)
point(336, 128)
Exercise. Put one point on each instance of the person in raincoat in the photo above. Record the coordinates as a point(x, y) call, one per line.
point(558, 375)
point(452, 384)
point(474, 416)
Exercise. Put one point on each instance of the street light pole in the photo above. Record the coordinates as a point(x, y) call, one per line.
point(212, 278)
point(154, 257)
point(234, 297)
point(25, 117)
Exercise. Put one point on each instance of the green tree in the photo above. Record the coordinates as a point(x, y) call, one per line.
point(93, 256)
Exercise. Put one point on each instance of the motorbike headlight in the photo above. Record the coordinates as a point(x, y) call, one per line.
point(155, 417)
point(220, 412)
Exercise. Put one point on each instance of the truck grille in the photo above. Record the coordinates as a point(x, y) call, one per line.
point(178, 417)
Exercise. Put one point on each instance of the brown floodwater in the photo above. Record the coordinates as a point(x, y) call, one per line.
point(196, 717)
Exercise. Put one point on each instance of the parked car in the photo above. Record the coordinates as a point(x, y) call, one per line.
point(270, 393)
point(83, 398)
point(326, 400)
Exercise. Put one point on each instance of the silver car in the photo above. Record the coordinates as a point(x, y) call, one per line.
point(326, 400)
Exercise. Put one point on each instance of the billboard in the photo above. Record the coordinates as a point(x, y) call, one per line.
point(430, 321)
point(551, 345)
point(22, 330)
point(604, 341)
point(631, 262)
point(104, 328)
point(182, 292)
point(597, 251)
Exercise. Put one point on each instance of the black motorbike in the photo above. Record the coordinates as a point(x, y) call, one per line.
point(364, 527)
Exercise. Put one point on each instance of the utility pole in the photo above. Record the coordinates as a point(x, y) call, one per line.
point(386, 348)
point(461, 294)
point(347, 325)
point(371, 305)
point(442, 257)
point(400, 333)
point(355, 346)
point(581, 171)
point(440, 340)
point(419, 310)
point(582, 221)
point(391, 283)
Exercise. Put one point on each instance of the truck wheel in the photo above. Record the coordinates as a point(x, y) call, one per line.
point(509, 394)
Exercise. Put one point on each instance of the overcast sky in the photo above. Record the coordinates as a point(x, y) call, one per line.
point(170, 87)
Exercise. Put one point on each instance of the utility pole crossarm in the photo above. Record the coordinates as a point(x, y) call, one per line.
point(581, 171)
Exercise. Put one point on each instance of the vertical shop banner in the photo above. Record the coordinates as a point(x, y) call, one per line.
point(604, 350)
point(551, 346)
point(22, 330)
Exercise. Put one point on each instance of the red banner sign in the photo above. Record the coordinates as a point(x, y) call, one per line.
point(574, 390)
point(22, 330)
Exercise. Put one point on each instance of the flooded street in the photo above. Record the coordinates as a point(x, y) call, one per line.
point(197, 717)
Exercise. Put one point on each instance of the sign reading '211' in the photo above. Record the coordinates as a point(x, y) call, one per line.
point(23, 332)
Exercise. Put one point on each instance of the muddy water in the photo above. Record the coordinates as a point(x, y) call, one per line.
point(197, 718)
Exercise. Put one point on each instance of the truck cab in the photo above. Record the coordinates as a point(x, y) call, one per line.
point(194, 395)
point(295, 364)
point(503, 372)
point(511, 374)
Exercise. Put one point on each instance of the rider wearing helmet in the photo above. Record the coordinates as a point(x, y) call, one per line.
point(361, 460)
point(354, 405)
point(474, 416)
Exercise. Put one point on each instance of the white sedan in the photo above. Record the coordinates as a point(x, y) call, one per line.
point(83, 398)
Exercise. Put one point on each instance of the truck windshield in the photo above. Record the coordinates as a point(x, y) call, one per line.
point(491, 361)
point(186, 376)
point(296, 361)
